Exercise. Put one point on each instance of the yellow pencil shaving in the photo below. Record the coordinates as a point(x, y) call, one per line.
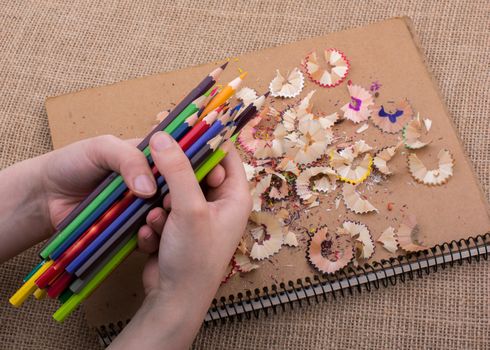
point(40, 294)
point(240, 70)
point(28, 287)
point(243, 75)
point(236, 59)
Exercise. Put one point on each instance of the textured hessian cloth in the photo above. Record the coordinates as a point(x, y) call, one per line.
point(48, 48)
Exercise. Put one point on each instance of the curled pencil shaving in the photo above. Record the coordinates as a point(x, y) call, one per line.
point(311, 144)
point(258, 191)
point(267, 235)
point(264, 143)
point(363, 243)
point(318, 179)
point(243, 263)
point(413, 132)
point(329, 252)
point(246, 95)
point(391, 117)
point(389, 240)
point(251, 171)
point(359, 107)
point(382, 157)
point(354, 201)
point(294, 114)
point(290, 239)
point(433, 177)
point(287, 87)
point(287, 164)
point(407, 233)
point(344, 162)
point(279, 188)
point(332, 73)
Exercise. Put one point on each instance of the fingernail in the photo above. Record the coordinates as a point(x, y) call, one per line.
point(143, 184)
point(161, 141)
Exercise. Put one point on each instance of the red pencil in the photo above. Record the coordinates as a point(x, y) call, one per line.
point(199, 129)
point(61, 283)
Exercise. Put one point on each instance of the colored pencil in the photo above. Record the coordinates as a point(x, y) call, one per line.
point(223, 95)
point(198, 129)
point(185, 127)
point(28, 287)
point(75, 299)
point(100, 261)
point(213, 130)
point(114, 180)
point(61, 283)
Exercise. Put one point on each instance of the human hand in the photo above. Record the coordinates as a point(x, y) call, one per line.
point(198, 238)
point(43, 190)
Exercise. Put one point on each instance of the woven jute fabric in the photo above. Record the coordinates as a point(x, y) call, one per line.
point(52, 47)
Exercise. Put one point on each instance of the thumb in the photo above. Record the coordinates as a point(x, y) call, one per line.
point(111, 153)
point(175, 167)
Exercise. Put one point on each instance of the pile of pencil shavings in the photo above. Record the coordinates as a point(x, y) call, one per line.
point(297, 158)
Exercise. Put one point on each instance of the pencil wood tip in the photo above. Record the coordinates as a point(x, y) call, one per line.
point(223, 66)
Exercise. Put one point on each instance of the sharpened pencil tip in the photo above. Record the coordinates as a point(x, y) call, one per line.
point(223, 66)
point(267, 93)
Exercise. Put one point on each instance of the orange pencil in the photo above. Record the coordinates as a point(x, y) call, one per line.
point(224, 95)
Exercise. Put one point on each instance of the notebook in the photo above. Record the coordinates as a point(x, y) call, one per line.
point(453, 219)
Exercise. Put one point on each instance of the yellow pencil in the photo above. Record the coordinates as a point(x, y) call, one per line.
point(223, 95)
point(29, 286)
point(40, 294)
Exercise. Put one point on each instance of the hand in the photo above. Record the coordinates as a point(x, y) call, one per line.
point(198, 239)
point(43, 190)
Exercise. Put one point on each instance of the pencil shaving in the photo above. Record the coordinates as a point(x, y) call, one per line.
point(435, 177)
point(268, 235)
point(352, 164)
point(309, 181)
point(364, 245)
point(328, 252)
point(413, 132)
point(287, 87)
point(290, 239)
point(354, 202)
point(258, 190)
point(382, 157)
point(243, 263)
point(359, 107)
point(388, 239)
point(246, 95)
point(311, 144)
point(391, 117)
point(407, 233)
point(332, 73)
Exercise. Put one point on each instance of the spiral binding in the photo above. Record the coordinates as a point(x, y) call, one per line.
point(315, 288)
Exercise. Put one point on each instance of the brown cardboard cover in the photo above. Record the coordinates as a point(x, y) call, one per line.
point(385, 51)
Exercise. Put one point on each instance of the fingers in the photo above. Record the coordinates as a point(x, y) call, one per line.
point(173, 164)
point(111, 153)
point(148, 240)
point(156, 220)
point(216, 176)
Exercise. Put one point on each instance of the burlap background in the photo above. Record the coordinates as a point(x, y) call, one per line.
point(53, 47)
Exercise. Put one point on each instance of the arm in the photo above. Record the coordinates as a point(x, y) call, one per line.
point(195, 243)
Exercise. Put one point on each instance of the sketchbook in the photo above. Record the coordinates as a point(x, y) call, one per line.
point(385, 59)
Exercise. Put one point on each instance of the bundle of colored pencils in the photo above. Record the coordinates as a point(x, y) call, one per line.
point(102, 230)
